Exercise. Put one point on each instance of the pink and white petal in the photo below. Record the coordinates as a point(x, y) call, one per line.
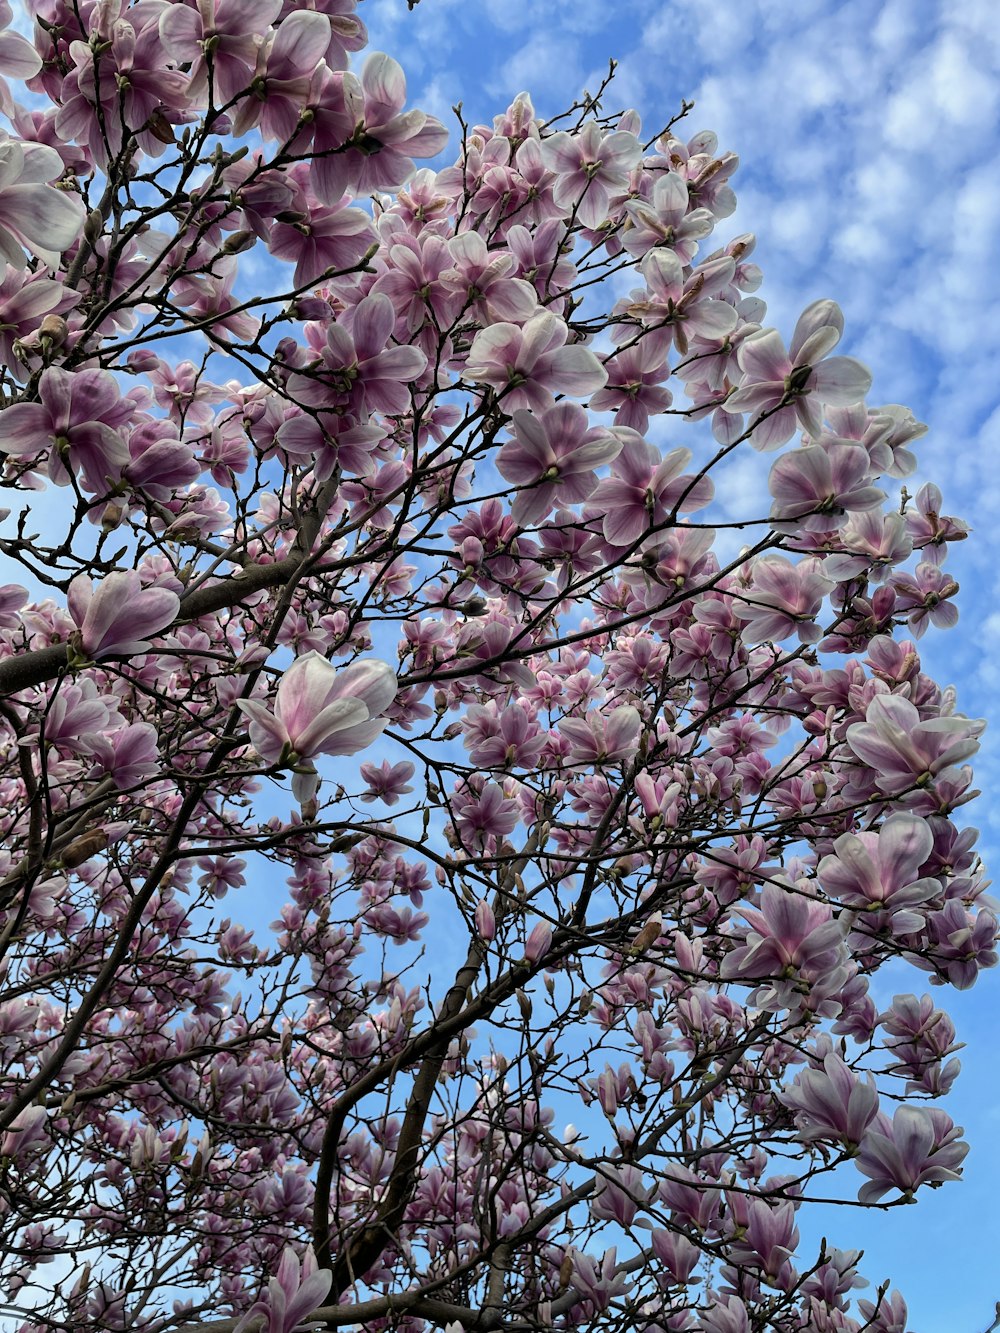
point(560, 153)
point(324, 731)
point(819, 315)
point(763, 358)
point(383, 81)
point(374, 321)
point(371, 681)
point(401, 363)
point(841, 381)
point(181, 32)
point(775, 431)
point(18, 58)
point(267, 735)
point(302, 40)
point(712, 319)
point(24, 429)
point(350, 740)
point(575, 370)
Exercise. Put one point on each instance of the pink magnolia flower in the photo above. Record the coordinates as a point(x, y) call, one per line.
point(539, 942)
point(920, 1146)
point(525, 365)
point(590, 166)
point(802, 375)
point(285, 64)
point(645, 486)
point(553, 457)
point(480, 276)
point(874, 543)
point(789, 932)
point(387, 783)
point(33, 215)
point(923, 597)
point(322, 240)
point(682, 302)
point(322, 709)
point(128, 756)
point(78, 420)
point(121, 615)
point(633, 376)
point(832, 1103)
point(784, 599)
point(27, 1134)
point(904, 751)
point(25, 299)
point(620, 1191)
point(815, 488)
point(221, 36)
point(358, 371)
point(961, 943)
point(414, 278)
point(486, 923)
point(929, 529)
point(666, 220)
point(483, 814)
point(602, 738)
point(502, 738)
point(363, 141)
point(878, 874)
point(295, 1291)
point(888, 1315)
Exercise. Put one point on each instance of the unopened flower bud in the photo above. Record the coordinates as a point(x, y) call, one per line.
point(53, 329)
point(83, 848)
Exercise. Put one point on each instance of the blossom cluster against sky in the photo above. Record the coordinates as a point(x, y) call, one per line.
point(868, 134)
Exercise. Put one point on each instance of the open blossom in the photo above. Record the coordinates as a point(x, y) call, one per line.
point(602, 737)
point(553, 457)
point(230, 30)
point(322, 709)
point(832, 1103)
point(590, 166)
point(481, 277)
point(120, 615)
point(785, 599)
point(33, 215)
point(919, 1146)
point(878, 874)
point(295, 1291)
point(904, 751)
point(321, 240)
point(387, 782)
point(681, 305)
point(803, 375)
point(484, 813)
point(362, 139)
point(526, 365)
point(815, 488)
point(923, 597)
point(789, 933)
point(285, 63)
point(645, 486)
point(632, 391)
point(358, 371)
point(76, 423)
point(666, 220)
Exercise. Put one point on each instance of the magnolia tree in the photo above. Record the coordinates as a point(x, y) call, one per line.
point(548, 1000)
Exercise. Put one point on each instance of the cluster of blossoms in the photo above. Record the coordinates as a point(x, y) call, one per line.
point(639, 814)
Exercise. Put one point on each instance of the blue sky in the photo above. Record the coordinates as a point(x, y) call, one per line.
point(868, 135)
